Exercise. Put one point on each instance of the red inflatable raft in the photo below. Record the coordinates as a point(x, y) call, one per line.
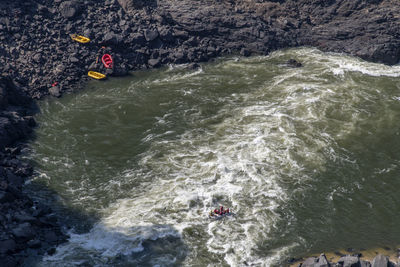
point(107, 61)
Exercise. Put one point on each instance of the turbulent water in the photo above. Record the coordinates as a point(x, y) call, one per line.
point(307, 158)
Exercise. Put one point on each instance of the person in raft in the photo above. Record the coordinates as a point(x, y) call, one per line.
point(220, 211)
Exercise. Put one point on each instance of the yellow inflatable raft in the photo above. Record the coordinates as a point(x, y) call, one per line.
point(96, 75)
point(79, 38)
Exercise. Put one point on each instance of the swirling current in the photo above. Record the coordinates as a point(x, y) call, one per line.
point(307, 158)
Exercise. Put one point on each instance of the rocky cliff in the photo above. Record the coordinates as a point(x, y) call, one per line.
point(37, 51)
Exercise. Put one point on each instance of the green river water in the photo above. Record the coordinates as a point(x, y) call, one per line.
point(307, 158)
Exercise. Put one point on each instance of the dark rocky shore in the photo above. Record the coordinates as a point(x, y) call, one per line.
point(349, 261)
point(38, 58)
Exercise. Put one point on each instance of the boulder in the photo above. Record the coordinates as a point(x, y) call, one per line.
point(127, 5)
point(150, 35)
point(193, 66)
point(70, 9)
point(154, 62)
point(245, 52)
point(31, 123)
point(310, 262)
point(55, 91)
point(37, 58)
point(293, 63)
point(73, 59)
point(166, 34)
point(111, 38)
point(136, 38)
point(179, 56)
point(349, 261)
point(380, 261)
point(322, 261)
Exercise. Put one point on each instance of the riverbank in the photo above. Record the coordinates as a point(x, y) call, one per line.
point(381, 256)
point(38, 58)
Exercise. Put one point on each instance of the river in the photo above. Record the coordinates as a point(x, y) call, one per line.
point(307, 158)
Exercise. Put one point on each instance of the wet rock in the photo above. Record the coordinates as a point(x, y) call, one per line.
point(55, 91)
point(295, 64)
point(245, 52)
point(193, 66)
point(31, 123)
point(13, 151)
